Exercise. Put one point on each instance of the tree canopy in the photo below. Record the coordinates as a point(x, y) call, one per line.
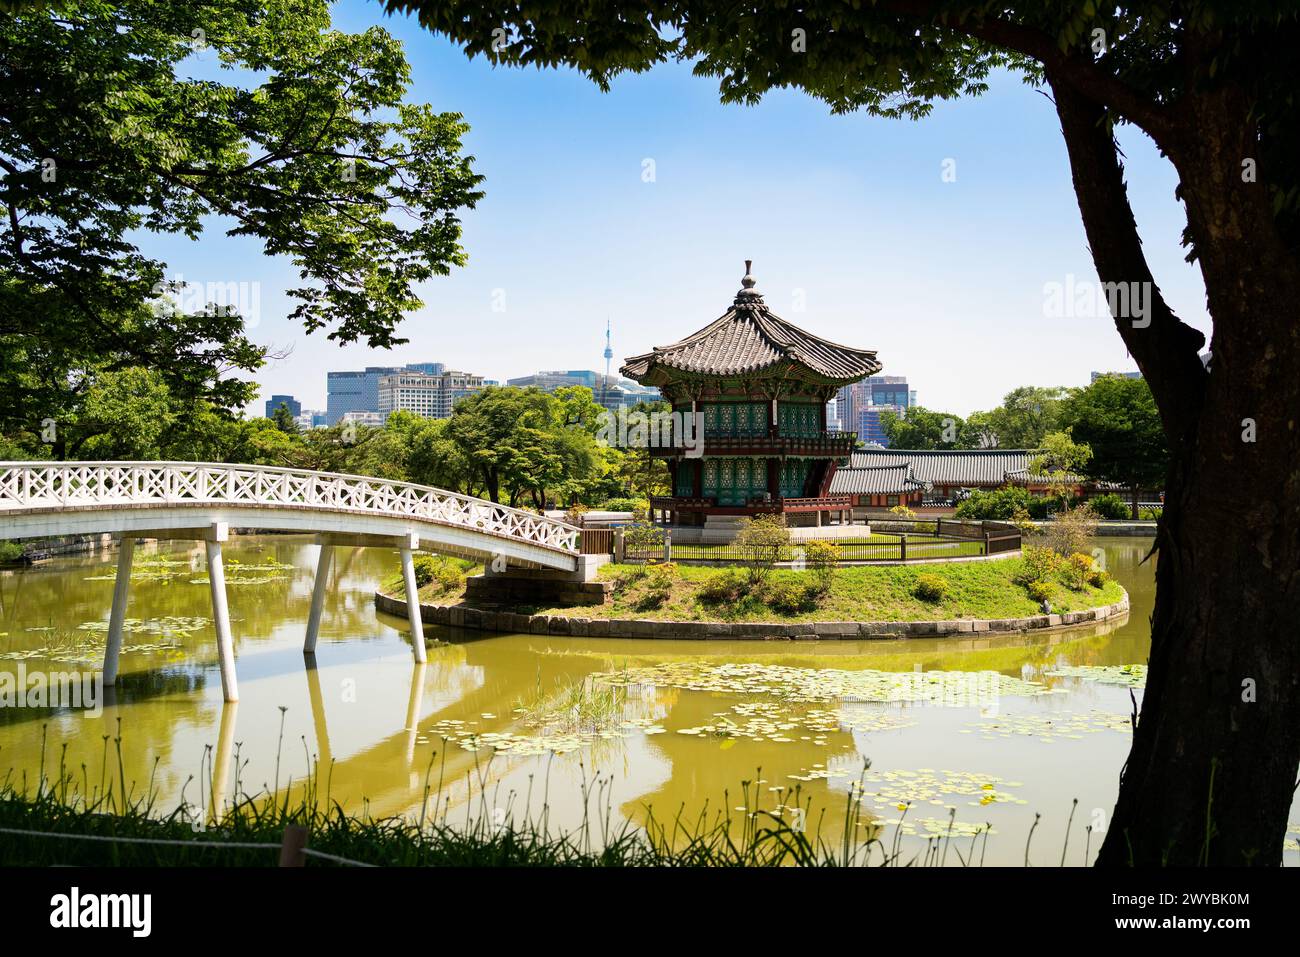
point(1117, 418)
point(304, 143)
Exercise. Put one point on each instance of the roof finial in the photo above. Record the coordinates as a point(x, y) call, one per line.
point(747, 291)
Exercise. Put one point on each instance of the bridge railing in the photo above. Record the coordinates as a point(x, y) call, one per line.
point(78, 484)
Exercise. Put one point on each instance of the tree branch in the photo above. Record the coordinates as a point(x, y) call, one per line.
point(1069, 68)
point(1166, 349)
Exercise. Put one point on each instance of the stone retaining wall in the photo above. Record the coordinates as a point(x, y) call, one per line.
point(460, 616)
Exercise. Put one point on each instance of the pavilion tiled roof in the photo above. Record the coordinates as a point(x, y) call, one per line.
point(875, 480)
point(750, 338)
point(967, 468)
point(964, 468)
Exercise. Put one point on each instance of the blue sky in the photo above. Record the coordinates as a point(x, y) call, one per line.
point(848, 216)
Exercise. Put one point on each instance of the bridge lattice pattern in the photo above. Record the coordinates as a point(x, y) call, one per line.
point(25, 485)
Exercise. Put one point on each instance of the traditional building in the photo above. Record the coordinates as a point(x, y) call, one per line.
point(878, 478)
point(758, 386)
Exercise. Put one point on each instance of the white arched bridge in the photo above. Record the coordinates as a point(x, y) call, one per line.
point(202, 501)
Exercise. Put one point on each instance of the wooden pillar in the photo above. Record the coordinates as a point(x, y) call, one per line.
point(698, 483)
point(116, 617)
point(220, 611)
point(413, 604)
point(323, 562)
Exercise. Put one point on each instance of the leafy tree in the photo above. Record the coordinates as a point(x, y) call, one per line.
point(764, 540)
point(304, 145)
point(920, 428)
point(1212, 83)
point(1118, 418)
point(1025, 417)
point(434, 458)
point(1003, 504)
point(125, 415)
point(1059, 462)
point(635, 471)
point(283, 419)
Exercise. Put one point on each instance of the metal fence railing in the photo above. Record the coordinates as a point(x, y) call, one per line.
point(904, 541)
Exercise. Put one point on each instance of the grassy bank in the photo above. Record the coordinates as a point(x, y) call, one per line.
point(990, 589)
point(58, 826)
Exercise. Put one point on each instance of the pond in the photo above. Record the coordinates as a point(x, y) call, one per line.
point(999, 728)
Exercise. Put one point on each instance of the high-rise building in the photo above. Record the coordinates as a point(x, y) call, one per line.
point(358, 391)
point(1122, 375)
point(432, 396)
point(858, 405)
point(871, 430)
point(614, 393)
point(358, 417)
point(273, 403)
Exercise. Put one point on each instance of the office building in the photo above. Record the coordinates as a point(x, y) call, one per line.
point(358, 391)
point(273, 403)
point(613, 393)
point(432, 396)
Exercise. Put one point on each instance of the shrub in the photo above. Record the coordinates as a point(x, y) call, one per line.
point(1038, 564)
point(763, 541)
point(930, 588)
point(724, 588)
point(1070, 531)
point(1098, 578)
point(1075, 571)
point(1110, 506)
point(625, 578)
point(659, 580)
point(1040, 591)
point(639, 538)
point(633, 505)
point(1151, 513)
point(822, 558)
point(425, 570)
point(574, 514)
point(788, 596)
point(1003, 503)
point(449, 575)
point(902, 511)
point(1022, 520)
point(10, 551)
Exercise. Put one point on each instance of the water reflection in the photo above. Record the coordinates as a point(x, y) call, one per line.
point(377, 733)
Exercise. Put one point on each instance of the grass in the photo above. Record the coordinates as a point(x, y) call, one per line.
point(858, 593)
point(443, 578)
point(573, 706)
point(71, 819)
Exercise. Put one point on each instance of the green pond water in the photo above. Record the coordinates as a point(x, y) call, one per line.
point(999, 728)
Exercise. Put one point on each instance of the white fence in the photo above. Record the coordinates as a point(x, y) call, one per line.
point(28, 485)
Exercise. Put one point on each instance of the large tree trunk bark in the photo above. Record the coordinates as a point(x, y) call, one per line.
point(1211, 773)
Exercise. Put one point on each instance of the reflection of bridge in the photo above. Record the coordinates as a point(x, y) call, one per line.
point(199, 501)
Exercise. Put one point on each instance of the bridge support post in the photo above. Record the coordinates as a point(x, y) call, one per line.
point(116, 618)
point(220, 611)
point(413, 603)
point(323, 563)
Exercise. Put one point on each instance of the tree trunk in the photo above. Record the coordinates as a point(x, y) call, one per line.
point(1137, 513)
point(1211, 773)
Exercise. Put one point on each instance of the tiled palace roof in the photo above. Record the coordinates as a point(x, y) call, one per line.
point(749, 338)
